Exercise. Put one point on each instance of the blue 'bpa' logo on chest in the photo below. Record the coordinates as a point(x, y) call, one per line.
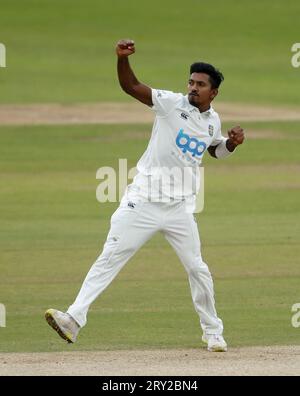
point(193, 145)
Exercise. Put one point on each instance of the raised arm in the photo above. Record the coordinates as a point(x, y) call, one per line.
point(127, 79)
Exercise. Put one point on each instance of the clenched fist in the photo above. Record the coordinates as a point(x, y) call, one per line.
point(125, 48)
point(236, 135)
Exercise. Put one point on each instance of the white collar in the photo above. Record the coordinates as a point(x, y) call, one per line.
point(208, 112)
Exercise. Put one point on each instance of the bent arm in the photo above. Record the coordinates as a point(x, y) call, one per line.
point(127, 78)
point(226, 147)
point(130, 83)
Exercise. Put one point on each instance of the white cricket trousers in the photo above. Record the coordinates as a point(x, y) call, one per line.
point(134, 223)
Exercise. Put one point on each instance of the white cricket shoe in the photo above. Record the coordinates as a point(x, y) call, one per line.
point(215, 342)
point(63, 324)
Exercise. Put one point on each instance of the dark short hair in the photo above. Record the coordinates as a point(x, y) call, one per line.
point(215, 76)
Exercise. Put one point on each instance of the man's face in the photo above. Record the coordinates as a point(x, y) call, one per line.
point(200, 91)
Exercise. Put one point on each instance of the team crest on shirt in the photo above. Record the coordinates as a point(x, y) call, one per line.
point(210, 130)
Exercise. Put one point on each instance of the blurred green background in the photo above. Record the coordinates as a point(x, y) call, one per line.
point(52, 227)
point(63, 50)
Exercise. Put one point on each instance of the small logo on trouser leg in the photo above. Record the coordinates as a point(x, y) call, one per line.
point(131, 204)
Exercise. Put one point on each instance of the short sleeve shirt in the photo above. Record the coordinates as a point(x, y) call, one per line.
point(180, 136)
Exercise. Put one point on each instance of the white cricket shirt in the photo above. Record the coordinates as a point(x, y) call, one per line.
point(169, 168)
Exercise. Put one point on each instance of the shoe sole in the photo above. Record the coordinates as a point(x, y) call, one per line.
point(51, 321)
point(218, 349)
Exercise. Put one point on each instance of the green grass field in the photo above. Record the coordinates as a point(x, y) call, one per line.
point(63, 50)
point(52, 229)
